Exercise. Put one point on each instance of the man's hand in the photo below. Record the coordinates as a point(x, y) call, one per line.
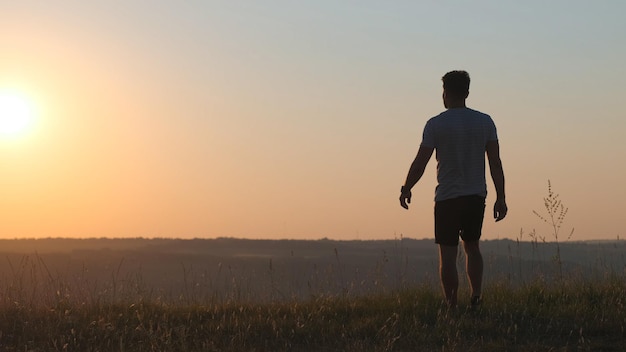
point(499, 209)
point(405, 197)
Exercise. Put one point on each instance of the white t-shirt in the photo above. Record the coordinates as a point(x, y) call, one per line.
point(460, 137)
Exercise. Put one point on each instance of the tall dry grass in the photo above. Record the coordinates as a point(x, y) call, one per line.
point(45, 311)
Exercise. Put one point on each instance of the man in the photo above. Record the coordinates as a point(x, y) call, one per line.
point(461, 137)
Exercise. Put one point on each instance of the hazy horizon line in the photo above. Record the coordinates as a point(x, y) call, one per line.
point(325, 238)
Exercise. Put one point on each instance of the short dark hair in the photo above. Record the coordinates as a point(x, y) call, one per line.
point(456, 83)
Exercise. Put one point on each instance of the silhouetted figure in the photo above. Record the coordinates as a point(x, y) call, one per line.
point(460, 136)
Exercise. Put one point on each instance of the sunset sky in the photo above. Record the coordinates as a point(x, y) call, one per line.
point(299, 119)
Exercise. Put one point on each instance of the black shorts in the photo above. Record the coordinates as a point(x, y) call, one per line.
point(456, 217)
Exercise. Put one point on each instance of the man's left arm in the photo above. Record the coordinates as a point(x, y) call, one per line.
point(415, 174)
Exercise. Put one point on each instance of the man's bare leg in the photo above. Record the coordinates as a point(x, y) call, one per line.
point(474, 267)
point(448, 273)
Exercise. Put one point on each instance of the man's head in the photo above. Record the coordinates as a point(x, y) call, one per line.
point(455, 88)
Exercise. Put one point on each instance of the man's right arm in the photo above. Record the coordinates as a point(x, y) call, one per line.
point(497, 175)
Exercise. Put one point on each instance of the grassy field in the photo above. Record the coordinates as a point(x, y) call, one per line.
point(52, 314)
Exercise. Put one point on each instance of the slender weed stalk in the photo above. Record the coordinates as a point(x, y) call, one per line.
point(554, 217)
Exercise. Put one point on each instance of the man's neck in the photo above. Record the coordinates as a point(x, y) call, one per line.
point(456, 104)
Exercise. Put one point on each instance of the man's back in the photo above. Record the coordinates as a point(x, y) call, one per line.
point(459, 137)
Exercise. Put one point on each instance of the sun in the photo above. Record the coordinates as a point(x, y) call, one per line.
point(16, 114)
